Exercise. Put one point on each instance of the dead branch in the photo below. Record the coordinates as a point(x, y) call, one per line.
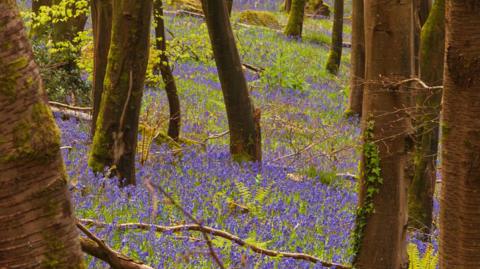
point(184, 12)
point(192, 218)
point(72, 113)
point(214, 232)
point(94, 246)
point(420, 82)
point(253, 68)
point(66, 106)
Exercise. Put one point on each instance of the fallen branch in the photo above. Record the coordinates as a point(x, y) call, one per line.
point(95, 247)
point(76, 108)
point(214, 232)
point(253, 68)
point(72, 113)
point(184, 12)
point(192, 218)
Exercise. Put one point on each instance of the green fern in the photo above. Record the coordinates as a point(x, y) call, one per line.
point(428, 261)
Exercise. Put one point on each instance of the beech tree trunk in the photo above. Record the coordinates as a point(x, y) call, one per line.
point(333, 62)
point(357, 71)
point(115, 140)
point(295, 19)
point(102, 29)
point(421, 190)
point(422, 8)
point(167, 74)
point(460, 199)
point(36, 215)
point(287, 5)
point(380, 235)
point(229, 6)
point(243, 119)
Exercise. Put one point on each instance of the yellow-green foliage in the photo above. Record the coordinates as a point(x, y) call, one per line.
point(428, 261)
point(314, 6)
point(190, 5)
point(259, 18)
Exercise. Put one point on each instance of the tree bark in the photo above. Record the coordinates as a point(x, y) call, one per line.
point(333, 62)
point(167, 74)
point(115, 140)
point(102, 29)
point(357, 71)
point(295, 19)
point(380, 235)
point(421, 190)
point(229, 6)
point(287, 5)
point(36, 215)
point(243, 119)
point(422, 8)
point(460, 200)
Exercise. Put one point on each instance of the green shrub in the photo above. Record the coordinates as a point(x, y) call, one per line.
point(259, 18)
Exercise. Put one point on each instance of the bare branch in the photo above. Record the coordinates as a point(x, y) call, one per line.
point(94, 246)
point(214, 232)
point(192, 218)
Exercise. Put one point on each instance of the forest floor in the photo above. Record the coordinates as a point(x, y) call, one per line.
point(301, 198)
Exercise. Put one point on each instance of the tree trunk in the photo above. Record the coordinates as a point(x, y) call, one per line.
point(36, 215)
point(422, 8)
point(287, 5)
point(380, 236)
point(460, 199)
point(333, 62)
point(420, 193)
point(357, 71)
point(243, 120)
point(102, 28)
point(295, 19)
point(115, 140)
point(229, 6)
point(166, 71)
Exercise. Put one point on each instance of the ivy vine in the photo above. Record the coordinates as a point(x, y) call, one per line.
point(372, 181)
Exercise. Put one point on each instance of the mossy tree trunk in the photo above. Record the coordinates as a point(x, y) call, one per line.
point(422, 8)
point(421, 190)
point(102, 29)
point(380, 234)
point(295, 19)
point(115, 140)
point(243, 120)
point(333, 62)
point(167, 75)
point(36, 215)
point(357, 71)
point(460, 200)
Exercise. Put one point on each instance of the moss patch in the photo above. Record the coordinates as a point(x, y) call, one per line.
point(35, 137)
point(259, 18)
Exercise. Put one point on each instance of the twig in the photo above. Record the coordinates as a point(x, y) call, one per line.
point(94, 246)
point(215, 232)
point(253, 68)
point(192, 218)
point(214, 136)
point(419, 81)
